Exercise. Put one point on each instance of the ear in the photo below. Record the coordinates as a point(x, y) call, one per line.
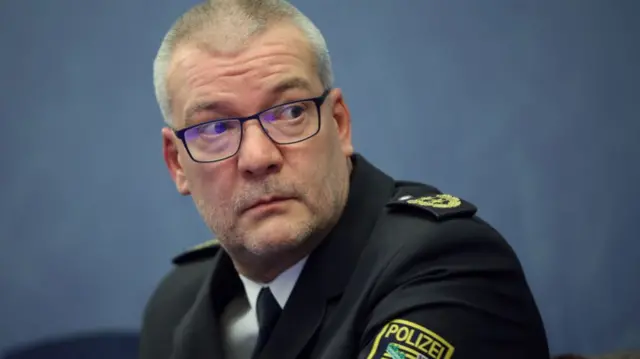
point(342, 117)
point(171, 154)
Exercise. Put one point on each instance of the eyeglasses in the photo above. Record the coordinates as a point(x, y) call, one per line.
point(285, 124)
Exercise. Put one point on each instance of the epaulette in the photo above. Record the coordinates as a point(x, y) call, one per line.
point(440, 206)
point(201, 251)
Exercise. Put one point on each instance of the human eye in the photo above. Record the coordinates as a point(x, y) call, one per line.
point(217, 128)
point(286, 113)
point(294, 111)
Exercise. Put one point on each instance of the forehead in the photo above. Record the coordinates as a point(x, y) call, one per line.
point(205, 73)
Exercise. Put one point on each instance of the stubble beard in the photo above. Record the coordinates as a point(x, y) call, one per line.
point(324, 208)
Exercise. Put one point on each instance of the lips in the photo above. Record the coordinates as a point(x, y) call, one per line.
point(267, 200)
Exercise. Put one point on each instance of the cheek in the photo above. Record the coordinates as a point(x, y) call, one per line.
point(208, 183)
point(316, 175)
point(320, 156)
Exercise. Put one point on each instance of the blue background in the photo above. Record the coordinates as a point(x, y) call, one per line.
point(529, 109)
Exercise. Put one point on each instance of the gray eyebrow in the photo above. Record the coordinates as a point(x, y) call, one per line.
point(212, 106)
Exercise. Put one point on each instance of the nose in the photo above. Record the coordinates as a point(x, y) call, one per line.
point(258, 156)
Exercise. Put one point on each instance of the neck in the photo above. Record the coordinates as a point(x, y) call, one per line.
point(266, 268)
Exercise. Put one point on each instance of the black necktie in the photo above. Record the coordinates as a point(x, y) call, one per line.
point(268, 313)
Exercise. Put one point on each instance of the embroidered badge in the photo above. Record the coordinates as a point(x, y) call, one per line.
point(437, 201)
point(403, 339)
point(393, 350)
point(441, 206)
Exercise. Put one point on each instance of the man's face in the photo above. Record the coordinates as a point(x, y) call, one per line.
point(303, 185)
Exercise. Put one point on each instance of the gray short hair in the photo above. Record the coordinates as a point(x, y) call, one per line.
point(246, 18)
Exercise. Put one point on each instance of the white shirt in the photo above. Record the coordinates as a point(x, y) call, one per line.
point(240, 320)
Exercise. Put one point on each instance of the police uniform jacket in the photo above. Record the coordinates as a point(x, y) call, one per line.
point(407, 273)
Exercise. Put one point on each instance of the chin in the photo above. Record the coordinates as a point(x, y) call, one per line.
point(275, 236)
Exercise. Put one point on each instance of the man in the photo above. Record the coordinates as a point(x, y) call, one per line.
point(318, 254)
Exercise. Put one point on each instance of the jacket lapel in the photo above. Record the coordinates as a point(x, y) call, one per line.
point(199, 334)
point(329, 267)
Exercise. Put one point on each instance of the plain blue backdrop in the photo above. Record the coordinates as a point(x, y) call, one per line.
point(529, 109)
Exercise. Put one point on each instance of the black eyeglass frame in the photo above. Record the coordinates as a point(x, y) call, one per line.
point(318, 101)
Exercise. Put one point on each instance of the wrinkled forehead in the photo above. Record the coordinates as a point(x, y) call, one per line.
point(281, 51)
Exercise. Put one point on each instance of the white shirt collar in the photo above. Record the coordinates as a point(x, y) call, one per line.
point(281, 286)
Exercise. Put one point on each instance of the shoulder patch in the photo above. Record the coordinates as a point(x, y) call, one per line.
point(441, 206)
point(200, 251)
point(403, 339)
